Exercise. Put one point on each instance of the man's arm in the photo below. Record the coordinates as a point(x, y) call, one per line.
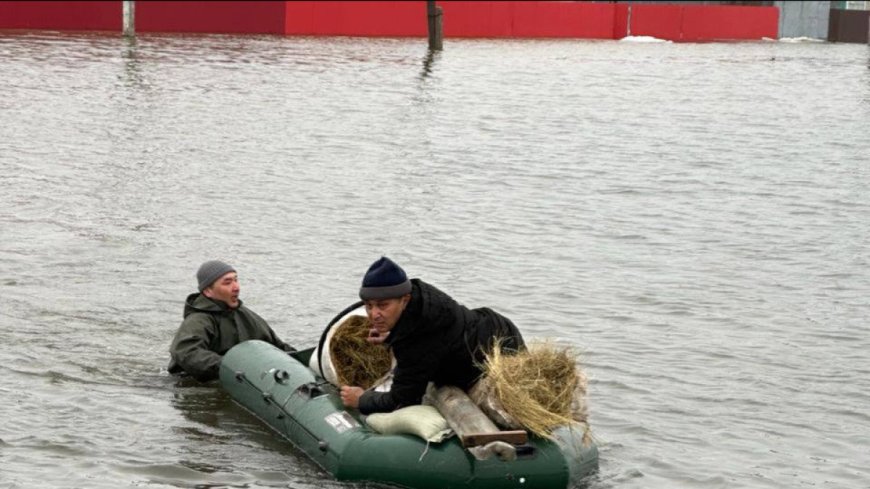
point(190, 348)
point(413, 374)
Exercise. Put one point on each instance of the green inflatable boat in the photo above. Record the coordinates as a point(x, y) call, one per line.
point(306, 409)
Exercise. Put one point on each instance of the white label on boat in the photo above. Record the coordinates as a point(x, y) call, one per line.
point(342, 421)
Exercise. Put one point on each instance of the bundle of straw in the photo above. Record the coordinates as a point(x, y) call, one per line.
point(355, 360)
point(538, 389)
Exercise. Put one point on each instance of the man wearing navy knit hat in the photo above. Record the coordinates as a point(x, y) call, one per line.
point(433, 337)
point(215, 320)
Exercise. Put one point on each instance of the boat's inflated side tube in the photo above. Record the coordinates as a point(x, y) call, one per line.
point(282, 391)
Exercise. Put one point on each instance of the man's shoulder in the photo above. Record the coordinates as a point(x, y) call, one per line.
point(432, 299)
point(198, 302)
point(247, 311)
point(198, 318)
point(426, 290)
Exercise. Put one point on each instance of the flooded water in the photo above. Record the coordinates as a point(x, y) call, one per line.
point(693, 218)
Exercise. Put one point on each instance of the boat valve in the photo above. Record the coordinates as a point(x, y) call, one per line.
point(281, 376)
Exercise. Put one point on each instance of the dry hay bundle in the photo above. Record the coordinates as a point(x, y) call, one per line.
point(355, 360)
point(538, 389)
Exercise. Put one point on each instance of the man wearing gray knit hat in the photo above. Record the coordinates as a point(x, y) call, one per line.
point(215, 320)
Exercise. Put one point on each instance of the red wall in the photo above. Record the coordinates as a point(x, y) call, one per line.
point(704, 22)
point(477, 19)
point(373, 18)
point(661, 21)
point(67, 16)
point(462, 19)
point(527, 19)
point(620, 21)
point(719, 22)
point(240, 17)
point(533, 19)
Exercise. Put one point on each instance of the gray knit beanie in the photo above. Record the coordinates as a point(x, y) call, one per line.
point(210, 271)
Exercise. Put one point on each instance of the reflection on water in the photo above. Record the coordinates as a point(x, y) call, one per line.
point(690, 216)
point(428, 62)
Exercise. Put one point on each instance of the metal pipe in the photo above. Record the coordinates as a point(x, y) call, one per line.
point(129, 17)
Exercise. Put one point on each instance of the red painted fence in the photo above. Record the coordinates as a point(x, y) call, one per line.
point(462, 19)
point(64, 16)
point(240, 17)
point(704, 22)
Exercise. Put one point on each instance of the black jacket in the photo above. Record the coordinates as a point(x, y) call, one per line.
point(438, 340)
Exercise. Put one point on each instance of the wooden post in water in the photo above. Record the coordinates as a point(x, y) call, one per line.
point(129, 16)
point(436, 32)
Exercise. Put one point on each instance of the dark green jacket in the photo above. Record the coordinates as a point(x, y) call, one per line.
point(210, 328)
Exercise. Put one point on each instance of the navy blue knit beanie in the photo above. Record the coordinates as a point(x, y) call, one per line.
point(384, 280)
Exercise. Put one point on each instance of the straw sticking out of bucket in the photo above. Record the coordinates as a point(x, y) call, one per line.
point(355, 360)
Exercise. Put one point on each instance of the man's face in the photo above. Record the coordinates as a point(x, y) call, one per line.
point(385, 313)
point(225, 289)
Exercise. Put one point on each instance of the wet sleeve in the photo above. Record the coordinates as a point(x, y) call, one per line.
point(280, 344)
point(412, 376)
point(377, 402)
point(190, 349)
